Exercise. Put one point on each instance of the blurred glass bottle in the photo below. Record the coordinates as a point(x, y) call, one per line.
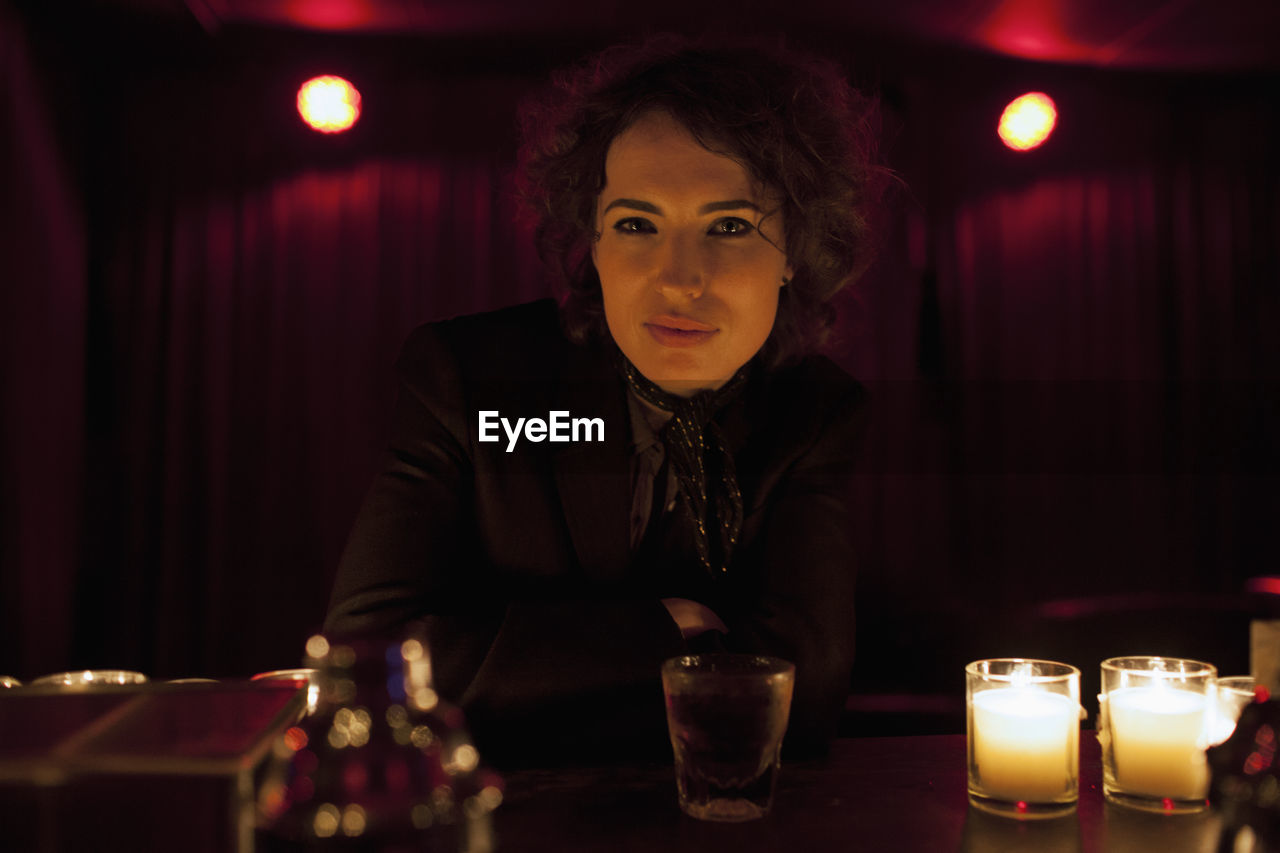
point(383, 763)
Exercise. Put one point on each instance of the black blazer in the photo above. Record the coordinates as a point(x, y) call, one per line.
point(517, 563)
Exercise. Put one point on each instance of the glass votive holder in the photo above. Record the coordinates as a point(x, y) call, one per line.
point(1023, 724)
point(84, 679)
point(1155, 720)
point(308, 676)
point(1233, 694)
point(192, 681)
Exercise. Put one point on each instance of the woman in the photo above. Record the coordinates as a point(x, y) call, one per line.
point(703, 205)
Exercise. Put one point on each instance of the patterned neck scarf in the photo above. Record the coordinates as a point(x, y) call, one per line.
point(700, 460)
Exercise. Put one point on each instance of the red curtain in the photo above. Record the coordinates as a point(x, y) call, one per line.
point(1081, 397)
point(1072, 352)
point(253, 334)
point(42, 348)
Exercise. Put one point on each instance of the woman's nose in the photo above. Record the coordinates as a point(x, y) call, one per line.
point(681, 271)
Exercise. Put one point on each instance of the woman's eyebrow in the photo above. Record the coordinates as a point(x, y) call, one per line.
point(736, 204)
point(634, 204)
point(710, 207)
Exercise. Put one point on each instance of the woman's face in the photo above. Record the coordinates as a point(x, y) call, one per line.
point(689, 264)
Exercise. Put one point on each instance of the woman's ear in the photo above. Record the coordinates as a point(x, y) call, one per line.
point(596, 232)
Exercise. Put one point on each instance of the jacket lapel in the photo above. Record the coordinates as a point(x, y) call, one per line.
point(594, 478)
point(744, 416)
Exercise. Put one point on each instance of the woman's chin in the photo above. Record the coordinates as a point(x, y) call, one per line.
point(681, 372)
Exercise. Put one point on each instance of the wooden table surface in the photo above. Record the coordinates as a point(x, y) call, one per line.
point(183, 757)
point(151, 767)
point(900, 794)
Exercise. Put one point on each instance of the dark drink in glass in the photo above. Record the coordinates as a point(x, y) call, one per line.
point(726, 715)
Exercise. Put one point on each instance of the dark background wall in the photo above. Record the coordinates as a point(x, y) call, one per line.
point(1072, 351)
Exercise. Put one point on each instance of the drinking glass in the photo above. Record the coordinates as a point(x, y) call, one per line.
point(384, 763)
point(726, 715)
point(1234, 693)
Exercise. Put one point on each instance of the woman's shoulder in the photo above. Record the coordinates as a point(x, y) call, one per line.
point(808, 406)
point(512, 326)
point(507, 341)
point(813, 384)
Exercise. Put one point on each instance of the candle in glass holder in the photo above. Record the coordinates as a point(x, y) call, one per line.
point(1155, 723)
point(1024, 722)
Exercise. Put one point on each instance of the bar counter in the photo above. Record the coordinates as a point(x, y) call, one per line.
point(150, 767)
point(900, 794)
point(168, 768)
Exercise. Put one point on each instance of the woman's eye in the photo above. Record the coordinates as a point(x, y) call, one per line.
point(634, 225)
point(730, 226)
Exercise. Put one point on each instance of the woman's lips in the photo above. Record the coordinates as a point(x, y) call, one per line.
point(672, 331)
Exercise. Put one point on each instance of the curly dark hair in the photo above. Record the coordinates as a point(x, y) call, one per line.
point(791, 120)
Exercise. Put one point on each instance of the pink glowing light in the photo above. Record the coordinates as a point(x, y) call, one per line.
point(1027, 121)
point(329, 104)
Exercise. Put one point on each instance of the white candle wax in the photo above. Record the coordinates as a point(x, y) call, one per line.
point(1025, 743)
point(1158, 741)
